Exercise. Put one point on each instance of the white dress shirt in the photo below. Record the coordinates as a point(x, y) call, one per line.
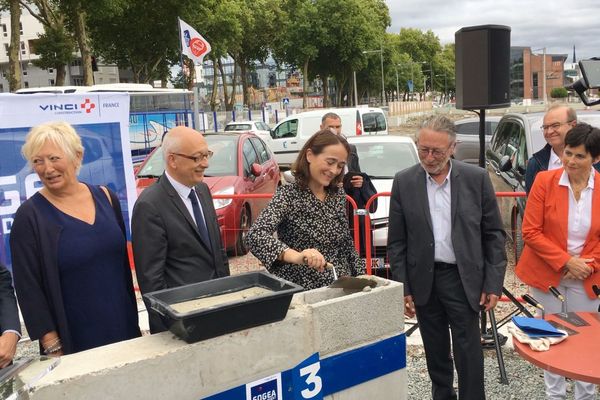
point(439, 196)
point(580, 214)
point(184, 191)
point(555, 162)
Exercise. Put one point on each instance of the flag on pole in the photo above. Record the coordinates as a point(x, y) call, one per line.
point(193, 44)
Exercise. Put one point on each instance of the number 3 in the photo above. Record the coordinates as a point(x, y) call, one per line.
point(312, 379)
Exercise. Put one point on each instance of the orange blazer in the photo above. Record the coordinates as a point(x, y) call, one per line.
point(545, 227)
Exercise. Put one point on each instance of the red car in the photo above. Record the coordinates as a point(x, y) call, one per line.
point(242, 164)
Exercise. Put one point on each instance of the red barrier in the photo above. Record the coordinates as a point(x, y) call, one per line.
point(351, 202)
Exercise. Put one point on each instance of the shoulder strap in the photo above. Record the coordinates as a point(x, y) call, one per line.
point(116, 206)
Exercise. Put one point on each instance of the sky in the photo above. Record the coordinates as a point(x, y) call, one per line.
point(553, 24)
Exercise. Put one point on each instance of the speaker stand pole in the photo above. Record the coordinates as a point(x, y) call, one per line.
point(482, 138)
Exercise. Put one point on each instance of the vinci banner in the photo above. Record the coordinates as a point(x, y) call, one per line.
point(101, 119)
point(193, 44)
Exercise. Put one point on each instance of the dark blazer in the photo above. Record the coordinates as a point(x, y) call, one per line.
point(539, 162)
point(167, 248)
point(477, 233)
point(9, 315)
point(34, 247)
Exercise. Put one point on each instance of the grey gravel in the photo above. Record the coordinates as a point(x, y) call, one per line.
point(525, 381)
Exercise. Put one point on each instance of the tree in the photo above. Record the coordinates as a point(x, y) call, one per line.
point(55, 46)
point(559, 93)
point(77, 16)
point(137, 34)
point(259, 27)
point(362, 29)
point(297, 43)
point(14, 75)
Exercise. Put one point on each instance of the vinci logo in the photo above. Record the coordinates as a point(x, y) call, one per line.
point(70, 108)
point(88, 106)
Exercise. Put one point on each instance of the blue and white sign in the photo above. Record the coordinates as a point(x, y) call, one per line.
point(306, 379)
point(315, 378)
point(265, 389)
point(285, 101)
point(100, 119)
point(410, 85)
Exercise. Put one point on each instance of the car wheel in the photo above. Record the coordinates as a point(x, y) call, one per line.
point(244, 226)
point(517, 235)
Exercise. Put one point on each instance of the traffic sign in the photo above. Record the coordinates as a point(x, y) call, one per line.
point(286, 100)
point(410, 85)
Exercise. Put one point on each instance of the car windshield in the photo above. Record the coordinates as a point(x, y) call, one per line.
point(222, 163)
point(383, 160)
point(238, 127)
point(374, 122)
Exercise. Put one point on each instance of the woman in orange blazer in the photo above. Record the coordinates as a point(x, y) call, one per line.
point(561, 230)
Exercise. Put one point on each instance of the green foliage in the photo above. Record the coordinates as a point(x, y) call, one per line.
point(559, 93)
point(55, 47)
point(322, 38)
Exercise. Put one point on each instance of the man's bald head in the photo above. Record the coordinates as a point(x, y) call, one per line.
point(181, 145)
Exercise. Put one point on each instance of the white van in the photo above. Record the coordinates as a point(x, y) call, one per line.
point(290, 134)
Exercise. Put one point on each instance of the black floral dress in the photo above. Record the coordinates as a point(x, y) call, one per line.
point(302, 221)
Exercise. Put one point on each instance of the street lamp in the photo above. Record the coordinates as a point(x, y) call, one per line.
point(445, 85)
point(431, 73)
point(380, 51)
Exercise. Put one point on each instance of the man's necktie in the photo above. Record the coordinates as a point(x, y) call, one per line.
point(200, 223)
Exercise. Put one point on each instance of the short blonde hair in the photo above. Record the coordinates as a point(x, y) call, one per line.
point(60, 133)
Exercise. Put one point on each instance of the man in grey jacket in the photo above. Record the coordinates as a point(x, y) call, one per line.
point(446, 245)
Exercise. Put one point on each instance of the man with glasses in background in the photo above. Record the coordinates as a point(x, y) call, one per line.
point(174, 231)
point(446, 245)
point(558, 121)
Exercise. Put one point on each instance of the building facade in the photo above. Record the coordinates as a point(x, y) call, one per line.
point(32, 76)
point(527, 77)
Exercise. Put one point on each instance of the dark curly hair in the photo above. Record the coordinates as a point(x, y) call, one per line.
point(317, 143)
point(586, 135)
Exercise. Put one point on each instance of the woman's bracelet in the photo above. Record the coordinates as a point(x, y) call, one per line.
point(53, 347)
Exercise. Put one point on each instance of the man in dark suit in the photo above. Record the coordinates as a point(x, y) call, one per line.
point(174, 230)
point(446, 245)
point(9, 319)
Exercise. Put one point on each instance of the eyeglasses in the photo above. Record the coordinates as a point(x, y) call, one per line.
point(196, 159)
point(553, 126)
point(436, 153)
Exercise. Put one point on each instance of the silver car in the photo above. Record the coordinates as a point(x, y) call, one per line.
point(259, 128)
point(467, 137)
point(381, 157)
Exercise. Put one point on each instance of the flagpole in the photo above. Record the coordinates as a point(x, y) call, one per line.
point(185, 97)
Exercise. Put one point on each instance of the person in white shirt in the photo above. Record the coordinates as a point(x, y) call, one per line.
point(446, 245)
point(558, 121)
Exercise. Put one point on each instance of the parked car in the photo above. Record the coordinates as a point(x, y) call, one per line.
point(381, 157)
point(467, 137)
point(242, 164)
point(259, 128)
point(515, 140)
point(292, 132)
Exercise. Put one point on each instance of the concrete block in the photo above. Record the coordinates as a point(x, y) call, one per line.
point(346, 321)
point(154, 366)
point(162, 366)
